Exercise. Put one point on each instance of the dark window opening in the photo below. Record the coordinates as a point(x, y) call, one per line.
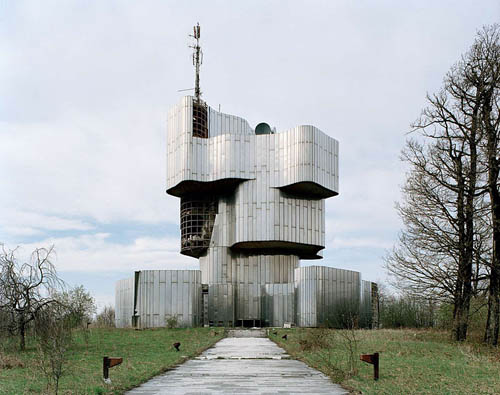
point(200, 120)
point(197, 223)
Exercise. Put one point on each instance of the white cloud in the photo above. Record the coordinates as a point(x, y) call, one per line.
point(85, 88)
point(25, 223)
point(360, 242)
point(94, 253)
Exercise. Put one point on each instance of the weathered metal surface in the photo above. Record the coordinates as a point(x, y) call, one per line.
point(221, 265)
point(375, 308)
point(324, 292)
point(366, 313)
point(278, 304)
point(165, 294)
point(221, 305)
point(269, 190)
point(319, 296)
point(233, 150)
point(124, 302)
point(253, 209)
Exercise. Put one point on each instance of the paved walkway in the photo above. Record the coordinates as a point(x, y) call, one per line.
point(240, 364)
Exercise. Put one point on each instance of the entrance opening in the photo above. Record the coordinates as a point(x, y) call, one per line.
point(248, 323)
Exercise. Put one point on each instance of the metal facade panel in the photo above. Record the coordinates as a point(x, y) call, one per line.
point(301, 154)
point(277, 304)
point(270, 206)
point(323, 293)
point(221, 265)
point(163, 294)
point(366, 312)
point(124, 302)
point(221, 304)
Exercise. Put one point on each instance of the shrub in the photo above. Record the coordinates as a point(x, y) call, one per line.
point(172, 322)
point(407, 312)
point(53, 330)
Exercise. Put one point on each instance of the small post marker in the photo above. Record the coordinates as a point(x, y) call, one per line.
point(374, 360)
point(109, 362)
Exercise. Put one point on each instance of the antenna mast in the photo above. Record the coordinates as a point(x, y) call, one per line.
point(197, 61)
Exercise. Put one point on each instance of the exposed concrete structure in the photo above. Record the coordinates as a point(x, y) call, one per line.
point(252, 206)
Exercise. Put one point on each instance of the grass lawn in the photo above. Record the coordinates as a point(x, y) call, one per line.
point(145, 354)
point(411, 361)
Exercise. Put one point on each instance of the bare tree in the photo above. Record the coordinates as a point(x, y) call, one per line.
point(106, 318)
point(450, 247)
point(441, 249)
point(482, 71)
point(25, 288)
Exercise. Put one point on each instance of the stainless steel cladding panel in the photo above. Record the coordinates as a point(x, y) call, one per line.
point(124, 303)
point(326, 296)
point(221, 304)
point(248, 301)
point(303, 154)
point(165, 294)
point(221, 265)
point(277, 304)
point(366, 305)
point(268, 190)
point(283, 180)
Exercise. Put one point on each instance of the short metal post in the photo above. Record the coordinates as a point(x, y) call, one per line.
point(374, 360)
point(105, 367)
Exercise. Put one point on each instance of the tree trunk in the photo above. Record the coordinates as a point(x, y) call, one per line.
point(22, 334)
point(463, 283)
point(493, 320)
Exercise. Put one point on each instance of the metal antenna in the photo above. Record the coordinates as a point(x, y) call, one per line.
point(197, 61)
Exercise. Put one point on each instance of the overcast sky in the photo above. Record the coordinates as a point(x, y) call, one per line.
point(85, 87)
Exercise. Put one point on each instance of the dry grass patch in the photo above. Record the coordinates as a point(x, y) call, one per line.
point(411, 361)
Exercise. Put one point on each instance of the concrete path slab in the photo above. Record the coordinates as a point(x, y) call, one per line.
point(241, 365)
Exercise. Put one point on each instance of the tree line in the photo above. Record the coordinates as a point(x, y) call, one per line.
point(449, 248)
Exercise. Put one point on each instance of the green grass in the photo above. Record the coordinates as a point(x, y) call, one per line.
point(145, 354)
point(411, 361)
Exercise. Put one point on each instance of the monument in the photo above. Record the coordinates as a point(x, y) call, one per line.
point(252, 206)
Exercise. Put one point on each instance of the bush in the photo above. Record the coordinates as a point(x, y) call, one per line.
point(53, 330)
point(478, 313)
point(346, 315)
point(407, 312)
point(79, 304)
point(313, 339)
point(172, 322)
